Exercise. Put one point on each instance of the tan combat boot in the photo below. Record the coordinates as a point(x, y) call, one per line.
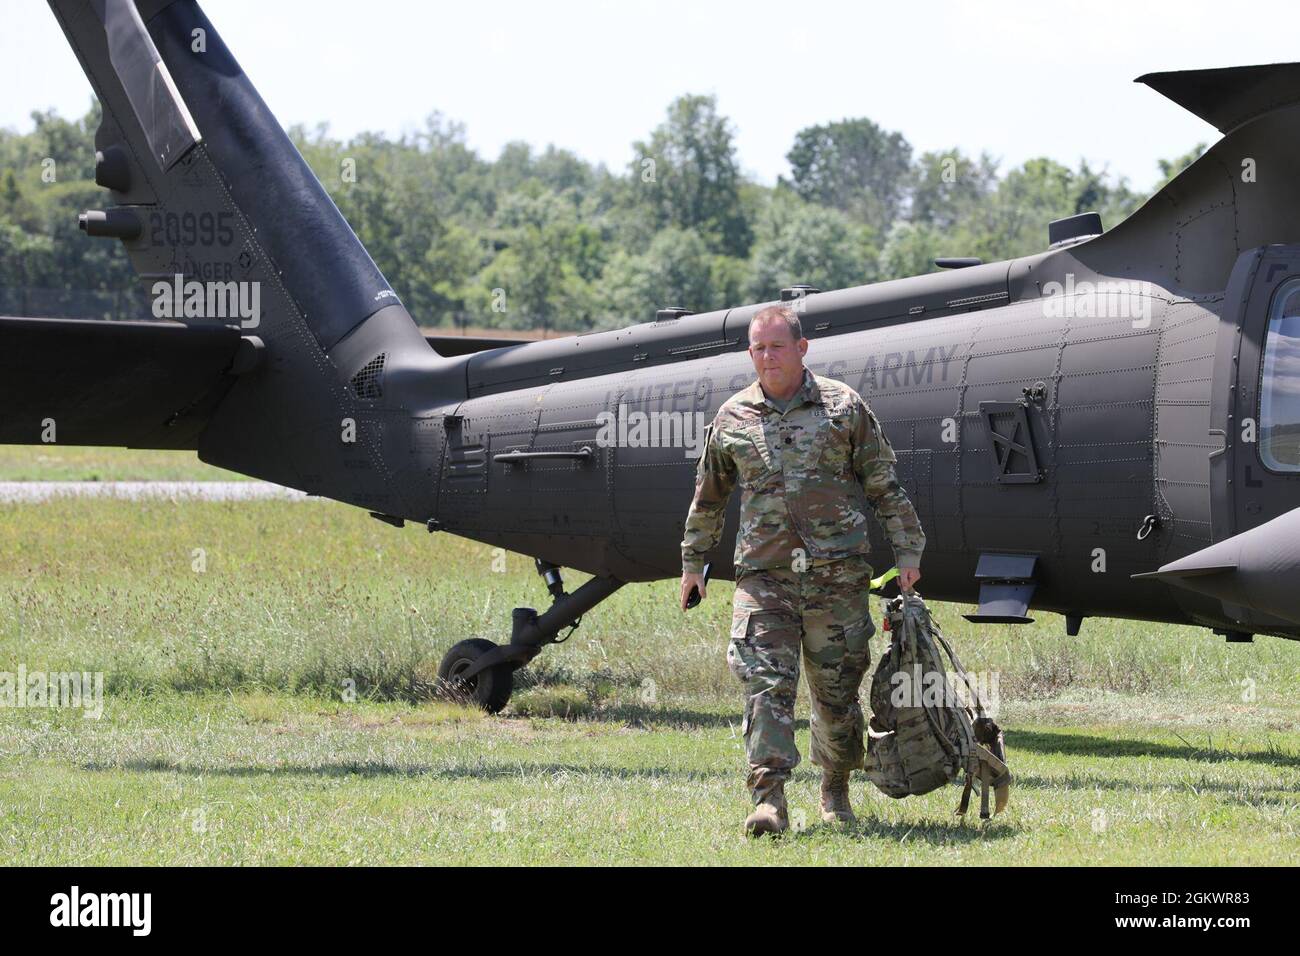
point(835, 798)
point(770, 815)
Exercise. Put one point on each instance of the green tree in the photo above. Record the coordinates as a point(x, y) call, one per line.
point(676, 270)
point(853, 166)
point(573, 245)
point(1013, 220)
point(910, 250)
point(947, 185)
point(418, 204)
point(802, 242)
point(542, 275)
point(686, 176)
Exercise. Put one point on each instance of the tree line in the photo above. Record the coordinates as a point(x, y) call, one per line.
point(544, 239)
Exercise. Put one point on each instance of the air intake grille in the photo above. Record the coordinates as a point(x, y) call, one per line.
point(367, 383)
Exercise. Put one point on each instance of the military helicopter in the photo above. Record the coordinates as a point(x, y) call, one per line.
point(1110, 427)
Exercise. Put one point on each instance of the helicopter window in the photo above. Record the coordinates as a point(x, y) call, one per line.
point(1279, 413)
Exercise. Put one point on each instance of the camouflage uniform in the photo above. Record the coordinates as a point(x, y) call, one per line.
point(807, 478)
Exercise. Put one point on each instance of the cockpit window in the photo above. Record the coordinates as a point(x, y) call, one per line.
point(1279, 413)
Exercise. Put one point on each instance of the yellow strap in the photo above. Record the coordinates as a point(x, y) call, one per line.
point(880, 582)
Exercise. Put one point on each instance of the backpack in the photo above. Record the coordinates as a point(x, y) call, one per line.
point(921, 735)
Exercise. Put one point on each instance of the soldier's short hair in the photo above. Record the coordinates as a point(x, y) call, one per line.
point(780, 312)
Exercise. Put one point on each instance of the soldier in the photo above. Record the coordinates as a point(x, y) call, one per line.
point(810, 457)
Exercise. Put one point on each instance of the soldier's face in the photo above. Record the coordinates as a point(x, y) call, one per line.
point(777, 356)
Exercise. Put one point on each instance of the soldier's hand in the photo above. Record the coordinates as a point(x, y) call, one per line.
point(907, 578)
point(690, 580)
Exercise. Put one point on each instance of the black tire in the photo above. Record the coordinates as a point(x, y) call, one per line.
point(490, 688)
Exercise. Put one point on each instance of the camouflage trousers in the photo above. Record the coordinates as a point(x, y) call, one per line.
point(825, 612)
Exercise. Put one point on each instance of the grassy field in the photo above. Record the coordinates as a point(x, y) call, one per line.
point(69, 463)
point(269, 669)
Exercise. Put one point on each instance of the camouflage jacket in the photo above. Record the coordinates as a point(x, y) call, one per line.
point(806, 479)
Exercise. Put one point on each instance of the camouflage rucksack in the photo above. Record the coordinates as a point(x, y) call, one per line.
point(921, 734)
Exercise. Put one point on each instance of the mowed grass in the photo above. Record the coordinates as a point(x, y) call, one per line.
point(269, 670)
point(73, 463)
point(253, 779)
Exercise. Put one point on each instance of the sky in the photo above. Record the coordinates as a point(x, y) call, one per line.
point(1017, 79)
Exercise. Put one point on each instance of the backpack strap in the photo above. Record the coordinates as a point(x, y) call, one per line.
point(910, 628)
point(965, 796)
point(985, 762)
point(992, 772)
point(976, 703)
point(988, 760)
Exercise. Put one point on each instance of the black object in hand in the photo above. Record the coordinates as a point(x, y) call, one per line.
point(693, 598)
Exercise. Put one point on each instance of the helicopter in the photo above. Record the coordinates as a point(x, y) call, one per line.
point(1107, 428)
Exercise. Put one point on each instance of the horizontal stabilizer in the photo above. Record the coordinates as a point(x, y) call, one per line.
point(1228, 97)
point(449, 345)
point(1256, 569)
point(1173, 571)
point(93, 382)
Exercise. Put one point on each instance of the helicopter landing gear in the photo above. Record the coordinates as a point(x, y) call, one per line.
point(489, 687)
point(484, 672)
